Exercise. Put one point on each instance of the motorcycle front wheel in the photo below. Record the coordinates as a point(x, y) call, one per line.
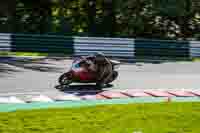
point(65, 79)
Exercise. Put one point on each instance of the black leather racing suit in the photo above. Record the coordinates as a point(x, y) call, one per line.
point(103, 68)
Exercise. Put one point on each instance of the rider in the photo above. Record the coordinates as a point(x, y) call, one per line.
point(99, 64)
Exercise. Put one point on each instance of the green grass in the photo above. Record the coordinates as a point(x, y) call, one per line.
point(196, 59)
point(138, 118)
point(23, 53)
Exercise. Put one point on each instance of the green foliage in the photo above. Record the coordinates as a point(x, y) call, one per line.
point(172, 7)
point(164, 19)
point(32, 16)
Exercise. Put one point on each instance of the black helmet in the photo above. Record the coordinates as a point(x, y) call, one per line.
point(100, 57)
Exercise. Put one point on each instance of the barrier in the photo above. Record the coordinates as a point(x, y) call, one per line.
point(112, 47)
point(126, 48)
point(5, 42)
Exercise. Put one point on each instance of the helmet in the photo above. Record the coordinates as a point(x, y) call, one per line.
point(100, 57)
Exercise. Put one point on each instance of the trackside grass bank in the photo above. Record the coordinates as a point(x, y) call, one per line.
point(130, 118)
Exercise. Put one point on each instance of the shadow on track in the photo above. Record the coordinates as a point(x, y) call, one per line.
point(82, 90)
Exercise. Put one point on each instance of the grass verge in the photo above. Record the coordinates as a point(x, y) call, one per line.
point(196, 59)
point(130, 118)
point(23, 54)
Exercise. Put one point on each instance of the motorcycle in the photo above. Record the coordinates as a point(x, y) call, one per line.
point(78, 74)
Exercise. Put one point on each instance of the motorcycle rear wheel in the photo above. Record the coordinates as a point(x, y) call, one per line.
point(65, 79)
point(114, 77)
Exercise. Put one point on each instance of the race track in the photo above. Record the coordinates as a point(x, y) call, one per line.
point(20, 76)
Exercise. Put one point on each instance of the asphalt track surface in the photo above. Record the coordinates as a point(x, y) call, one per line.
point(39, 76)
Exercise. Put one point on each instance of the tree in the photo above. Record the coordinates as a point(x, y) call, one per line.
point(7, 15)
point(91, 11)
point(164, 19)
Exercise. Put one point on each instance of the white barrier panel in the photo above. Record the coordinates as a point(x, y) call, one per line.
point(194, 48)
point(113, 47)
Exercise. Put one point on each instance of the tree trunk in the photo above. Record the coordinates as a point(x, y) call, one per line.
point(7, 11)
point(109, 21)
point(92, 17)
